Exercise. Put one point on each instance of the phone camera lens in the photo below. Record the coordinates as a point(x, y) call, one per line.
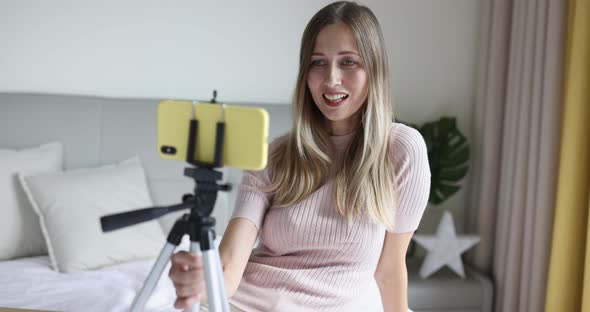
point(169, 150)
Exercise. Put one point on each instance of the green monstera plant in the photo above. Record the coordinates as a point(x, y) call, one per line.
point(448, 157)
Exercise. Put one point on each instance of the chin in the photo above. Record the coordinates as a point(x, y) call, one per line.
point(336, 117)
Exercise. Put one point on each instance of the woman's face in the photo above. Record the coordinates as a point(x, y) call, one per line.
point(337, 79)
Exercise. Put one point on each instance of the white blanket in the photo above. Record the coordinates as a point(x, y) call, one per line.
point(31, 283)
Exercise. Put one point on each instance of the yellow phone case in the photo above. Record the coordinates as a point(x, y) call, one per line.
point(245, 140)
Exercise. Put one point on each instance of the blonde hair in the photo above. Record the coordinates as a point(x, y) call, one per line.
point(300, 164)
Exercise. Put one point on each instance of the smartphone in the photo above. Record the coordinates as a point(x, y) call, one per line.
point(245, 141)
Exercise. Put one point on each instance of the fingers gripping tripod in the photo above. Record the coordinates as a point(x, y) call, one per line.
point(198, 224)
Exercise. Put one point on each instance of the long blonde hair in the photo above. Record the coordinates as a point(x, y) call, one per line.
point(300, 164)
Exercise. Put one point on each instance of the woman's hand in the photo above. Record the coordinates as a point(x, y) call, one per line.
point(186, 274)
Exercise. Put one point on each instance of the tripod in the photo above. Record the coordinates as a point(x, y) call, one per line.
point(198, 224)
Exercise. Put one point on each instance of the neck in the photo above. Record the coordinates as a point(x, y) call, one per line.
point(343, 127)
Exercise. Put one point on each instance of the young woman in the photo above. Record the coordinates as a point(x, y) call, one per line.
point(343, 192)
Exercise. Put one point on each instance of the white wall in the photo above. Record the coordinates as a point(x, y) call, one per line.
point(247, 50)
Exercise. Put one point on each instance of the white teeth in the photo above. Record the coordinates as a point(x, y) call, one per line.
point(335, 97)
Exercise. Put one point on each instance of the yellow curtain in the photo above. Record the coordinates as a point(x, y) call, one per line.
point(568, 285)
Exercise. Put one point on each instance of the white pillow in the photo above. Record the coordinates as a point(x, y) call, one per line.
point(20, 232)
point(70, 204)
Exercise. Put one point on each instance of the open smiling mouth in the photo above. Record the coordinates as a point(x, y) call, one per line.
point(335, 100)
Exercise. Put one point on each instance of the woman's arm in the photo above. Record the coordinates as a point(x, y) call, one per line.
point(235, 249)
point(391, 274)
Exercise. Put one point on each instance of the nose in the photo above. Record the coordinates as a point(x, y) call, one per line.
point(334, 76)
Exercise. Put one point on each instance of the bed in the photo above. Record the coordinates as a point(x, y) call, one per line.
point(31, 283)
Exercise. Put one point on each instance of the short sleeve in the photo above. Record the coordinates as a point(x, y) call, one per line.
point(251, 202)
point(412, 172)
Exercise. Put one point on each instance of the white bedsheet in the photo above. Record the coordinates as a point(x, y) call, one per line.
point(31, 283)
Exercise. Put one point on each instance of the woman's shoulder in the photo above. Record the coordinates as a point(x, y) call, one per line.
point(401, 132)
point(406, 143)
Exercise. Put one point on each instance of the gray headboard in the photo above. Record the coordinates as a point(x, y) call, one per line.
point(100, 131)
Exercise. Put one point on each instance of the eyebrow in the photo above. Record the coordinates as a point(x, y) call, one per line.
point(339, 53)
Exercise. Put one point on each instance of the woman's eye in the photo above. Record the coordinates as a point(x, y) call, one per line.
point(348, 62)
point(317, 62)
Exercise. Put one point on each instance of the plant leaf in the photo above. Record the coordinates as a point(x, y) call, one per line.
point(448, 154)
point(453, 174)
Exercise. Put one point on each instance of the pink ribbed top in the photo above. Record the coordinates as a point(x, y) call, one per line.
point(309, 257)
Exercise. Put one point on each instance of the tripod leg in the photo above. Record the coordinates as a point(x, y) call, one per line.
point(216, 294)
point(195, 250)
point(220, 277)
point(153, 278)
point(211, 277)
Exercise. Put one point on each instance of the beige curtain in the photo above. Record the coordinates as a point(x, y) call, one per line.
point(515, 147)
